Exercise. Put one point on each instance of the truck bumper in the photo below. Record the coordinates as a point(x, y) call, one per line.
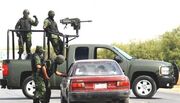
point(166, 81)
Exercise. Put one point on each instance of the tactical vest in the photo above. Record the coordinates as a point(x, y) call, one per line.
point(52, 28)
point(25, 24)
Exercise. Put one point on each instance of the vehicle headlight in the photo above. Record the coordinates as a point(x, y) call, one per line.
point(164, 70)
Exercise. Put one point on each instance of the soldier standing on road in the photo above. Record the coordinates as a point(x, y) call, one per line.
point(52, 32)
point(25, 23)
point(51, 70)
point(40, 75)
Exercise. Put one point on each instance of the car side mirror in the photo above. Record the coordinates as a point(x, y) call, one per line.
point(118, 59)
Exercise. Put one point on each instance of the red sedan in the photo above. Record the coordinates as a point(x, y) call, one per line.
point(95, 80)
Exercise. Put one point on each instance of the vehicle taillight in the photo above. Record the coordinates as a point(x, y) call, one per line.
point(5, 69)
point(77, 86)
point(123, 84)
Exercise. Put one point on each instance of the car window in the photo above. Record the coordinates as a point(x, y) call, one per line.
point(97, 68)
point(104, 53)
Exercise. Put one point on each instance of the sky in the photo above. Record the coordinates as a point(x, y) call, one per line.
point(118, 21)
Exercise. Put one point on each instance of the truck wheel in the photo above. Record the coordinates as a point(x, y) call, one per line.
point(144, 87)
point(28, 87)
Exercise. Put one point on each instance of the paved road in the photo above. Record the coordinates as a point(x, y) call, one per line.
point(16, 96)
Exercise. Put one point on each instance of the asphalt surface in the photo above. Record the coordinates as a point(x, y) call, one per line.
point(162, 96)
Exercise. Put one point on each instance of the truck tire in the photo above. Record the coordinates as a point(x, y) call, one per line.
point(28, 87)
point(144, 87)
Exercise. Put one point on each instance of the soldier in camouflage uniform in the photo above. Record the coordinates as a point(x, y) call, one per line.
point(39, 75)
point(51, 70)
point(25, 23)
point(52, 32)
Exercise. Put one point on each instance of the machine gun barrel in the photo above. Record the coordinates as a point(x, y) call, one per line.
point(86, 21)
point(72, 20)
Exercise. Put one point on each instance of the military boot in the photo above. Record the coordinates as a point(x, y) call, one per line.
point(20, 57)
point(36, 100)
point(29, 55)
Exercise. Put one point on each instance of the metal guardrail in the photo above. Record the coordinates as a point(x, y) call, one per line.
point(13, 41)
point(66, 40)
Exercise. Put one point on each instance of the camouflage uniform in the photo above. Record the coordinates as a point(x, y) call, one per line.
point(40, 88)
point(51, 70)
point(52, 32)
point(25, 23)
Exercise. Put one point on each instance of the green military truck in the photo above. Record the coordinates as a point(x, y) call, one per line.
point(146, 76)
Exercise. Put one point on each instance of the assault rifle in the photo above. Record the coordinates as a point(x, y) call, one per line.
point(75, 23)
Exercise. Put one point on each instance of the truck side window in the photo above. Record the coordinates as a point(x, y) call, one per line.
point(81, 53)
point(104, 53)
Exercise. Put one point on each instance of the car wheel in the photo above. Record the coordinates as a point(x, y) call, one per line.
point(144, 87)
point(124, 100)
point(28, 87)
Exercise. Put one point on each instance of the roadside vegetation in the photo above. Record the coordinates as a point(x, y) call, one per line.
point(166, 47)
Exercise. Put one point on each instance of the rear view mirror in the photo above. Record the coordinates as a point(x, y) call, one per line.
point(118, 59)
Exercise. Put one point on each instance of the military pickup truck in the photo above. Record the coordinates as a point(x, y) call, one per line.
point(146, 76)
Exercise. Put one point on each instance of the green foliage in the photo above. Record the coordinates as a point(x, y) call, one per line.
point(145, 50)
point(166, 47)
point(171, 45)
point(104, 53)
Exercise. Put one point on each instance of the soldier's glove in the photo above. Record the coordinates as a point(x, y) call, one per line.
point(35, 16)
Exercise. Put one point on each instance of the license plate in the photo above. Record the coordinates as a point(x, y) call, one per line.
point(100, 86)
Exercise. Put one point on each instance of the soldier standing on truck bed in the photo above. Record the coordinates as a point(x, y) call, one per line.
point(25, 23)
point(39, 75)
point(51, 70)
point(52, 32)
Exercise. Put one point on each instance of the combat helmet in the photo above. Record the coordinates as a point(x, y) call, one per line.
point(51, 13)
point(60, 59)
point(26, 11)
point(39, 49)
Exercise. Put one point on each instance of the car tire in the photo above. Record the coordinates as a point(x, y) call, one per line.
point(144, 87)
point(28, 87)
point(124, 100)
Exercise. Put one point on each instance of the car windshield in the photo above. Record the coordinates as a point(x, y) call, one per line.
point(97, 69)
point(123, 53)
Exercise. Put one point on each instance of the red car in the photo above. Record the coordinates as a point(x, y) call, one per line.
point(95, 80)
